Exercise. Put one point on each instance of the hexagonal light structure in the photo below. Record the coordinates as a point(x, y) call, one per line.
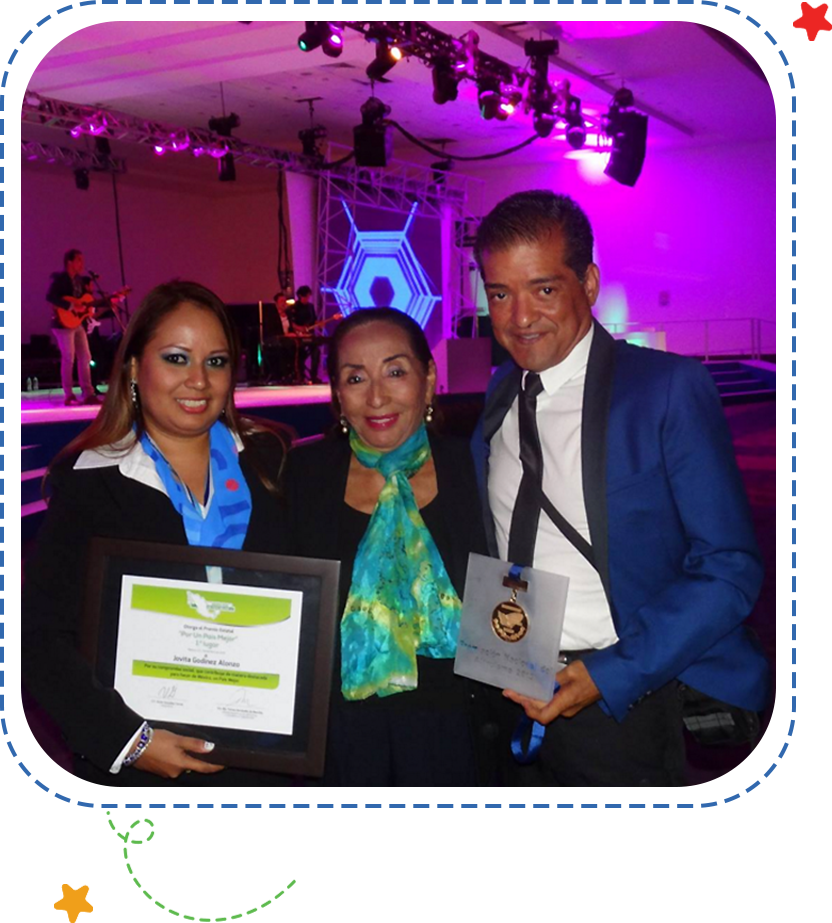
point(383, 255)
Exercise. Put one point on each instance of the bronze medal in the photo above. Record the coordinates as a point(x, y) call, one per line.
point(509, 620)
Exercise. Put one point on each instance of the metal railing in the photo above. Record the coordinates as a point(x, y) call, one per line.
point(751, 337)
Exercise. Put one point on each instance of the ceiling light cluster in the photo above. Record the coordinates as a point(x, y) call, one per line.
point(328, 36)
point(503, 88)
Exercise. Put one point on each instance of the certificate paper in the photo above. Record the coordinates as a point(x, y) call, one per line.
point(209, 654)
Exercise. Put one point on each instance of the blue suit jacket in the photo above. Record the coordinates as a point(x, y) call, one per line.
point(669, 524)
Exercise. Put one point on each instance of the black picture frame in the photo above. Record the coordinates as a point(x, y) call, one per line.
point(300, 753)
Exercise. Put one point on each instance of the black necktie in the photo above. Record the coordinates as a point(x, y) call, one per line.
point(524, 519)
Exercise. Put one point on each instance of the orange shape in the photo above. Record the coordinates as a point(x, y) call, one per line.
point(74, 902)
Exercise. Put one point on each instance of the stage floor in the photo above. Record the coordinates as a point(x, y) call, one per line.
point(48, 406)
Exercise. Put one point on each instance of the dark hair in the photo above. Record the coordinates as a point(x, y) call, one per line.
point(530, 216)
point(280, 294)
point(303, 291)
point(415, 336)
point(70, 255)
point(119, 415)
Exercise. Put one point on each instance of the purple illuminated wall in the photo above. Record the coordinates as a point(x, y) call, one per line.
point(693, 240)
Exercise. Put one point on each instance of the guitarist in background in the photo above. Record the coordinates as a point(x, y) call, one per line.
point(72, 343)
point(303, 317)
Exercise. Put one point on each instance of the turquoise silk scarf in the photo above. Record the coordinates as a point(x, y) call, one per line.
point(401, 602)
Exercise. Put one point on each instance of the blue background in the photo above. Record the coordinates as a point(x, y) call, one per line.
point(707, 855)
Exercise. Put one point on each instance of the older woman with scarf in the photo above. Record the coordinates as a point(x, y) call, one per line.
point(398, 506)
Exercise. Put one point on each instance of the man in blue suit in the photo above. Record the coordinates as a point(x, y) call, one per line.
point(611, 464)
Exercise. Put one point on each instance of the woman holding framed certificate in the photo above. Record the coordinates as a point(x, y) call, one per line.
point(398, 506)
point(168, 460)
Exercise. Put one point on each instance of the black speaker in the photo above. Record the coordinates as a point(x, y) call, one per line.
point(629, 145)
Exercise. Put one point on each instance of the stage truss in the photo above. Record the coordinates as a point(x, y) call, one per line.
point(403, 189)
point(454, 200)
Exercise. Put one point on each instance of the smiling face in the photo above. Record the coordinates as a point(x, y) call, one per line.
point(184, 375)
point(539, 308)
point(382, 388)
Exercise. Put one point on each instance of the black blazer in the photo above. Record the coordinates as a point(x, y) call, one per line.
point(102, 502)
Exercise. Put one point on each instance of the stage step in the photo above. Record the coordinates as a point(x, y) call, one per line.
point(743, 382)
point(32, 456)
point(31, 484)
point(726, 376)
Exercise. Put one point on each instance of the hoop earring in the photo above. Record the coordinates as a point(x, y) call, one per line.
point(345, 427)
point(134, 393)
point(429, 413)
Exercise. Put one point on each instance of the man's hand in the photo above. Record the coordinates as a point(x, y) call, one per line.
point(577, 690)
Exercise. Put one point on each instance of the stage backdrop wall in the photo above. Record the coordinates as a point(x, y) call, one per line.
point(692, 241)
point(184, 225)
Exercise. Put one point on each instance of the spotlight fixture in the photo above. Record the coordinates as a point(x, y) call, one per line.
point(445, 82)
point(309, 138)
point(82, 179)
point(490, 99)
point(373, 142)
point(324, 35)
point(226, 170)
point(102, 147)
point(628, 131)
point(576, 127)
point(540, 98)
point(223, 126)
point(387, 57)
point(543, 120)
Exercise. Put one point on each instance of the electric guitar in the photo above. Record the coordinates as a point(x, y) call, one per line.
point(83, 308)
point(308, 331)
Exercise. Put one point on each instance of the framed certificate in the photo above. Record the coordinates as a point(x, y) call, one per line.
point(231, 646)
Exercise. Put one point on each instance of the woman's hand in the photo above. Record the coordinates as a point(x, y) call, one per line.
point(168, 755)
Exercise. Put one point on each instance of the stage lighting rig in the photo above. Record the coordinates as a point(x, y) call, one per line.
point(388, 55)
point(326, 35)
point(372, 140)
point(539, 96)
point(490, 99)
point(575, 124)
point(309, 138)
point(628, 131)
point(223, 126)
point(445, 82)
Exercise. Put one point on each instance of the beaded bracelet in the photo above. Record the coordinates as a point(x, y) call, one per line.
point(145, 736)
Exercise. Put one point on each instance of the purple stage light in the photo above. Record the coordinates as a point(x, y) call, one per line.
point(158, 149)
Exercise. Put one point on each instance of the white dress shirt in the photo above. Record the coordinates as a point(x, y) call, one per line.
point(588, 622)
